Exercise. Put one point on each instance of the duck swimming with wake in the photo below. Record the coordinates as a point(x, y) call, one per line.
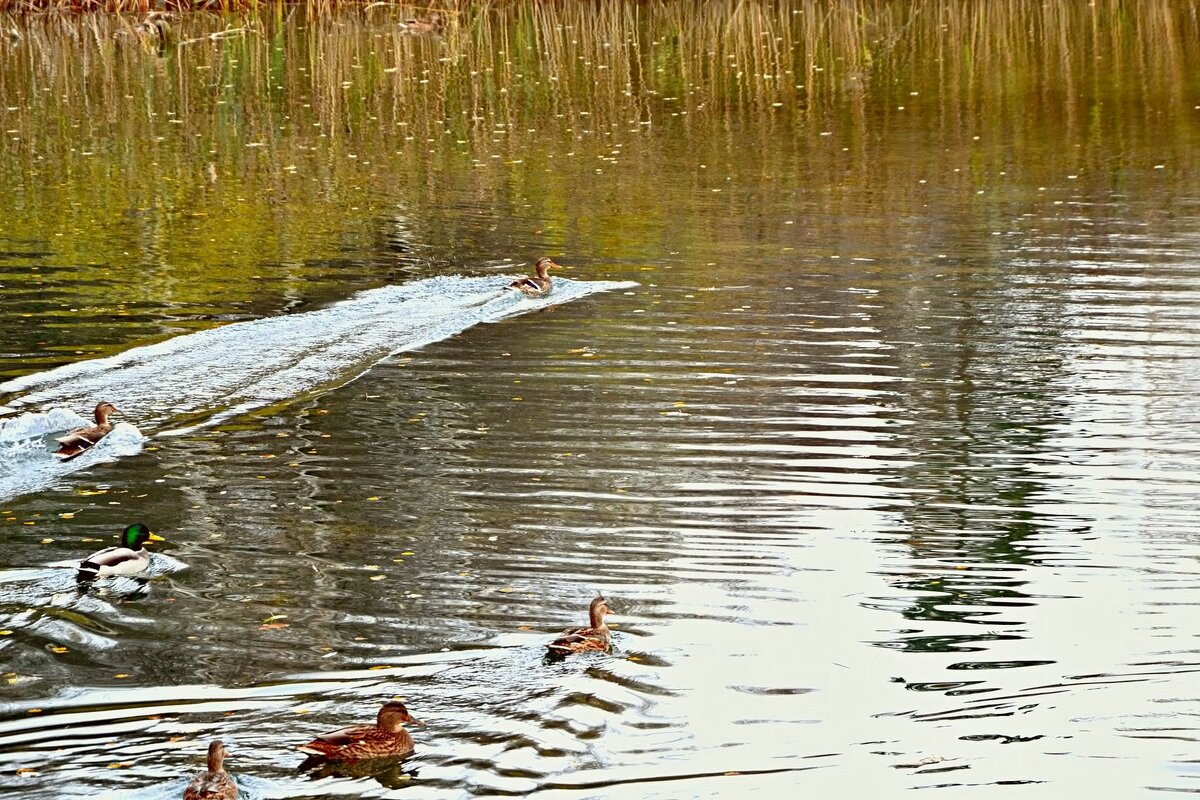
point(131, 558)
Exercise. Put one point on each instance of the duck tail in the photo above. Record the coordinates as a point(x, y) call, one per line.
point(88, 571)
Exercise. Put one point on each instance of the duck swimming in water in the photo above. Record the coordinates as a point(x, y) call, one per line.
point(214, 783)
point(580, 640)
point(128, 559)
point(539, 284)
point(82, 439)
point(387, 738)
point(429, 24)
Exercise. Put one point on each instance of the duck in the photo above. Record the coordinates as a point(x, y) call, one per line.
point(214, 783)
point(128, 559)
point(81, 439)
point(581, 640)
point(430, 24)
point(538, 286)
point(387, 738)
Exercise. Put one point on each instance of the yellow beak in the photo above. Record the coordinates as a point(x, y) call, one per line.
point(154, 537)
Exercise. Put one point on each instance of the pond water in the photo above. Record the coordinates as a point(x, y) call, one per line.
point(868, 397)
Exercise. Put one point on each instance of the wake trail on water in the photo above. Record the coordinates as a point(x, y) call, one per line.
point(200, 379)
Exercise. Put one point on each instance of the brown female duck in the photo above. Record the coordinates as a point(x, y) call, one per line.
point(580, 640)
point(387, 738)
point(539, 284)
point(81, 439)
point(214, 783)
point(429, 24)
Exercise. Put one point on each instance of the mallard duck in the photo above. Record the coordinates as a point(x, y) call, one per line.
point(81, 439)
point(538, 286)
point(128, 559)
point(580, 640)
point(214, 783)
point(429, 24)
point(387, 738)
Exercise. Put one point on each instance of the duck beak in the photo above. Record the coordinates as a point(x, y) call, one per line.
point(416, 721)
point(154, 537)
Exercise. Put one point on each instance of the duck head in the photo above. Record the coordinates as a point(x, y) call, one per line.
point(597, 611)
point(104, 411)
point(216, 756)
point(542, 265)
point(393, 715)
point(136, 535)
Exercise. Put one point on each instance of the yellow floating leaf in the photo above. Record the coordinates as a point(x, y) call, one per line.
point(372, 498)
point(26, 771)
point(67, 515)
point(121, 675)
point(408, 553)
point(378, 577)
point(58, 649)
point(6, 633)
point(47, 541)
point(118, 765)
point(507, 589)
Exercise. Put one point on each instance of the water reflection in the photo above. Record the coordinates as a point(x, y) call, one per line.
point(886, 461)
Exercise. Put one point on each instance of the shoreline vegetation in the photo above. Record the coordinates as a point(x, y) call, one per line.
point(786, 52)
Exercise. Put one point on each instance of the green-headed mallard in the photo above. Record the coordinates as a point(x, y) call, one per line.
point(81, 439)
point(580, 640)
point(387, 738)
point(539, 284)
point(128, 559)
point(214, 783)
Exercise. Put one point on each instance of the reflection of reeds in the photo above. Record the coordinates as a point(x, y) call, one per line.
point(232, 115)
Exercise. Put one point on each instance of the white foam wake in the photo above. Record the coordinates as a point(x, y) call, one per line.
point(203, 378)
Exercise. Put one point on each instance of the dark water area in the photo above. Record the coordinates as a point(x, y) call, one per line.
point(880, 434)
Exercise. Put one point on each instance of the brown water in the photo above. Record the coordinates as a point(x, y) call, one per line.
point(888, 464)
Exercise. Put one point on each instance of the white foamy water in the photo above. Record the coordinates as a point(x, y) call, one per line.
point(221, 372)
point(202, 378)
point(28, 463)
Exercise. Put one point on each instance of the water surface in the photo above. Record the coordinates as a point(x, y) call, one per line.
point(888, 463)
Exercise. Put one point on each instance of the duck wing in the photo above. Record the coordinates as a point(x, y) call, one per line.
point(572, 639)
point(327, 742)
point(211, 786)
point(79, 440)
point(110, 561)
